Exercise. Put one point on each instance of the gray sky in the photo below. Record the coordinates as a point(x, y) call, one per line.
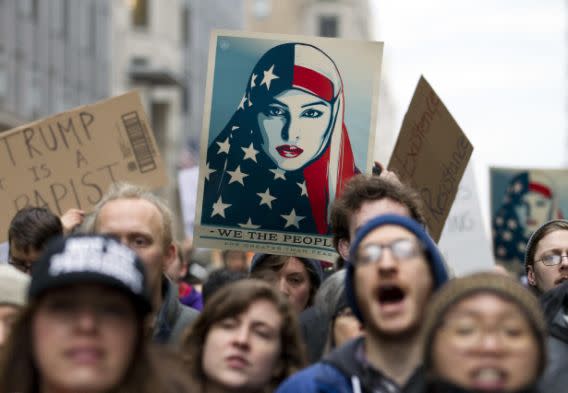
point(499, 66)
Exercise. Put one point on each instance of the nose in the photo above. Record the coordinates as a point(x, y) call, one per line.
point(86, 319)
point(387, 264)
point(283, 286)
point(491, 343)
point(242, 335)
point(564, 261)
point(3, 333)
point(290, 131)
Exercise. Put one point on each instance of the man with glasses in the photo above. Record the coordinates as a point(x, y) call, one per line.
point(393, 269)
point(29, 231)
point(546, 264)
point(545, 258)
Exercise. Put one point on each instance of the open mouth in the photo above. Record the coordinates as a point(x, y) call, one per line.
point(489, 379)
point(289, 151)
point(391, 294)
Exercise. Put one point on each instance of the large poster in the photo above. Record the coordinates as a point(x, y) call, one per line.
point(287, 121)
point(521, 201)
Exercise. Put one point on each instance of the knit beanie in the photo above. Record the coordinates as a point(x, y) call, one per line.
point(537, 235)
point(13, 286)
point(433, 255)
point(315, 270)
point(487, 282)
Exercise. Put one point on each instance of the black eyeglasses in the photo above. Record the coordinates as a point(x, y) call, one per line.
point(552, 259)
point(23, 266)
point(401, 249)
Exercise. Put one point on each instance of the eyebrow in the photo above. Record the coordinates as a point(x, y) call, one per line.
point(275, 101)
point(314, 103)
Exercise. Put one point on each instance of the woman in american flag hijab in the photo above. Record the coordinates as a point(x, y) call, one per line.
point(285, 154)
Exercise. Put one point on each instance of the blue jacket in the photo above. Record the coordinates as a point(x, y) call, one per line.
point(345, 371)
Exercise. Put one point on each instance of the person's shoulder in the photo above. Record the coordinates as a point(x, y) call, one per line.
point(319, 377)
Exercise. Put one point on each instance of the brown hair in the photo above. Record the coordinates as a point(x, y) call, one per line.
point(150, 370)
point(232, 300)
point(365, 188)
point(32, 227)
point(274, 263)
point(130, 191)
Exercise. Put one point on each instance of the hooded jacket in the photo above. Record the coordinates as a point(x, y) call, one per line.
point(173, 317)
point(345, 370)
point(555, 307)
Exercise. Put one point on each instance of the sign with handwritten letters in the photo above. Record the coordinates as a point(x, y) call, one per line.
point(464, 241)
point(431, 155)
point(522, 199)
point(287, 121)
point(70, 159)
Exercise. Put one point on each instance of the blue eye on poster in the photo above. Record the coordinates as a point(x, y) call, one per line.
point(287, 122)
point(521, 201)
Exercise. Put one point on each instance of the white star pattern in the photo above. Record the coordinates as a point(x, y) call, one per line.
point(208, 171)
point(278, 174)
point(518, 187)
point(219, 208)
point(266, 198)
point(269, 76)
point(249, 102)
point(292, 219)
point(252, 80)
point(302, 186)
point(237, 175)
point(224, 146)
point(250, 152)
point(249, 225)
point(242, 103)
point(233, 128)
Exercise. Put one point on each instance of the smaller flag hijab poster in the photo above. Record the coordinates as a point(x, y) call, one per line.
point(523, 199)
point(287, 122)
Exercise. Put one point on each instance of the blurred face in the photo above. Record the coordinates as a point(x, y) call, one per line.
point(547, 277)
point(535, 210)
point(491, 341)
point(293, 280)
point(368, 210)
point(294, 126)
point(23, 260)
point(8, 315)
point(346, 327)
point(241, 352)
point(137, 224)
point(83, 338)
point(236, 261)
point(392, 292)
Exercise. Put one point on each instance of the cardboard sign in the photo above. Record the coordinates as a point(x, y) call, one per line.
point(431, 155)
point(187, 184)
point(287, 121)
point(464, 242)
point(522, 199)
point(70, 159)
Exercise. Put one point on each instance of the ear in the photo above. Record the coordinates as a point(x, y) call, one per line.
point(343, 248)
point(531, 277)
point(169, 255)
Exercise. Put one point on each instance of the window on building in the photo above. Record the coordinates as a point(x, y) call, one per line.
point(139, 12)
point(65, 10)
point(185, 25)
point(328, 26)
point(35, 10)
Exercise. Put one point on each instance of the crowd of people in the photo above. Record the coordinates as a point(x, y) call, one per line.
point(109, 301)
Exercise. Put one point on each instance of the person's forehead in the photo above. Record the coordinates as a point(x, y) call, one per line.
point(485, 304)
point(555, 239)
point(370, 209)
point(120, 212)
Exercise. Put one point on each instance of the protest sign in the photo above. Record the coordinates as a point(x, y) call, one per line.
point(187, 183)
point(431, 154)
point(287, 121)
point(464, 242)
point(70, 159)
point(522, 199)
